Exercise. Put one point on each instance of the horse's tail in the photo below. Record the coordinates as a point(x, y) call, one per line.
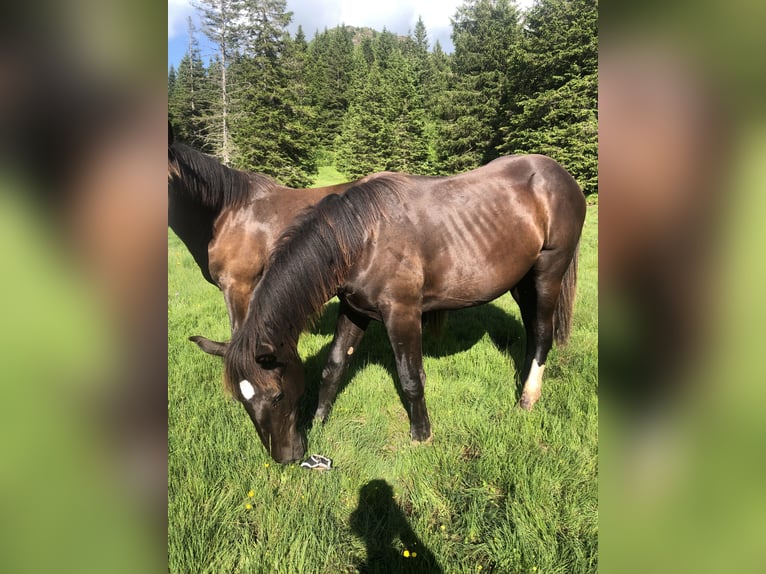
point(562, 318)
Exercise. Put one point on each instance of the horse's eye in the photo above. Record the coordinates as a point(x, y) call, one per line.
point(276, 399)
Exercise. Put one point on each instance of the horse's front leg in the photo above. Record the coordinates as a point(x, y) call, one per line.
point(349, 331)
point(404, 329)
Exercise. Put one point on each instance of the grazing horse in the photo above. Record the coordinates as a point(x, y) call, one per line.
point(396, 247)
point(229, 221)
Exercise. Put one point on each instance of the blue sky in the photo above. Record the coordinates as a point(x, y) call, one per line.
point(397, 16)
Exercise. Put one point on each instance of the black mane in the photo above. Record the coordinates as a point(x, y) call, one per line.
point(212, 184)
point(312, 259)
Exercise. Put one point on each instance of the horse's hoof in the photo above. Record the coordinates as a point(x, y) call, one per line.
point(425, 440)
point(526, 403)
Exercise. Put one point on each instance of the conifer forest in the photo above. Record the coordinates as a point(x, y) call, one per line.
point(363, 100)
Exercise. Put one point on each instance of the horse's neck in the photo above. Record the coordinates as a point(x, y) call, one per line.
point(193, 224)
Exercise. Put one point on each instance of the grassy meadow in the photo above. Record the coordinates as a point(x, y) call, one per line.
point(497, 490)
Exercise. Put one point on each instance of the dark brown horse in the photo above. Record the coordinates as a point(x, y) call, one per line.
point(396, 247)
point(229, 221)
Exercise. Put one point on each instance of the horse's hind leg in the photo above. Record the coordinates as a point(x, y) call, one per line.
point(349, 331)
point(526, 297)
point(537, 295)
point(403, 324)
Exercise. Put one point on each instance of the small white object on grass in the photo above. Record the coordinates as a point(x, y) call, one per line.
point(317, 462)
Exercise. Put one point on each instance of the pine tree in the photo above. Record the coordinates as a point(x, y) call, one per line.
point(188, 104)
point(421, 38)
point(221, 24)
point(554, 111)
point(272, 128)
point(330, 61)
point(365, 138)
point(212, 133)
point(385, 127)
point(385, 45)
point(484, 34)
point(263, 27)
point(171, 81)
point(408, 119)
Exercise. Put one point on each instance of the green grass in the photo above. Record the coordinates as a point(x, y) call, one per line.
point(498, 488)
point(328, 175)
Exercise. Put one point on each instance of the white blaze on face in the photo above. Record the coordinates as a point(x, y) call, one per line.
point(246, 389)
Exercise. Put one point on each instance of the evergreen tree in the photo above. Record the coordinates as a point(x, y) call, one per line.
point(188, 104)
point(272, 128)
point(439, 79)
point(300, 41)
point(212, 132)
point(554, 111)
point(367, 48)
point(330, 60)
point(385, 45)
point(385, 127)
point(409, 151)
point(419, 59)
point(421, 38)
point(365, 138)
point(171, 82)
point(263, 27)
point(297, 61)
point(484, 33)
point(378, 101)
point(221, 24)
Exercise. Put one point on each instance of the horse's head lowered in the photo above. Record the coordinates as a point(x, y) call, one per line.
point(270, 388)
point(310, 262)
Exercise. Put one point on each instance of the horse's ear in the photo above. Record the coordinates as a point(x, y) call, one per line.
point(171, 135)
point(265, 353)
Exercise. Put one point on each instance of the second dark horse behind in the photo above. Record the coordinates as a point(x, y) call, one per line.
point(392, 249)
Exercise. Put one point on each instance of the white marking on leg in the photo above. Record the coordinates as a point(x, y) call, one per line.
point(350, 351)
point(535, 378)
point(533, 385)
point(246, 389)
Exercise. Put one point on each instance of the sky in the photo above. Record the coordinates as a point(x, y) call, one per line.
point(398, 16)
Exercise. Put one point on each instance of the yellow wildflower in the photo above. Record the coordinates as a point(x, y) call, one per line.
point(250, 493)
point(248, 506)
point(406, 553)
point(414, 554)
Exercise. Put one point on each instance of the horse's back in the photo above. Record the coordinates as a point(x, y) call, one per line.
point(466, 239)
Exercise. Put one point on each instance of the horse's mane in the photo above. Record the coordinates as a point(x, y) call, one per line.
point(310, 262)
point(212, 184)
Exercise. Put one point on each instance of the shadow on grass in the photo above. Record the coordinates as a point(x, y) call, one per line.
point(379, 521)
point(464, 328)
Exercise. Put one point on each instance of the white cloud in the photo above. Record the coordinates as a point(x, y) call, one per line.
point(393, 12)
point(178, 10)
point(398, 16)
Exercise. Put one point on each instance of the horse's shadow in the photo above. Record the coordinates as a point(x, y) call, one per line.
point(464, 328)
point(379, 521)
